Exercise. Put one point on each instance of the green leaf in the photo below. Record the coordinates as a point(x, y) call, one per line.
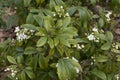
point(30, 50)
point(27, 2)
point(20, 59)
point(118, 57)
point(51, 52)
point(93, 2)
point(106, 46)
point(41, 31)
point(52, 4)
point(39, 1)
point(29, 26)
point(51, 43)
point(43, 62)
point(72, 10)
point(109, 36)
point(66, 69)
point(39, 19)
point(101, 23)
point(102, 36)
point(11, 59)
point(101, 58)
point(30, 74)
point(99, 74)
point(41, 41)
point(47, 23)
point(29, 19)
point(65, 42)
point(66, 21)
point(56, 41)
point(23, 76)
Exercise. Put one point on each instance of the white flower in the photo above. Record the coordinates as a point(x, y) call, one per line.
point(97, 40)
point(67, 14)
point(116, 46)
point(74, 59)
point(95, 29)
point(7, 69)
point(79, 47)
point(54, 14)
point(57, 65)
point(77, 70)
point(17, 29)
point(91, 37)
point(82, 46)
point(13, 74)
point(108, 15)
point(61, 7)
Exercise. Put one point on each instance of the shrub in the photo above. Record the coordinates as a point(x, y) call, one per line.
point(63, 40)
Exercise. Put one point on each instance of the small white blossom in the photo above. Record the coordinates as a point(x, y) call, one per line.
point(117, 76)
point(77, 70)
point(82, 46)
point(61, 7)
point(95, 29)
point(74, 59)
point(67, 14)
point(57, 65)
point(16, 78)
point(7, 69)
point(13, 74)
point(79, 47)
point(116, 46)
point(54, 14)
point(17, 29)
point(108, 15)
point(96, 40)
point(91, 63)
point(91, 37)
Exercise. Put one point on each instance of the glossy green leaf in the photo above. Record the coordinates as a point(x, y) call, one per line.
point(41, 41)
point(66, 21)
point(66, 69)
point(56, 41)
point(106, 46)
point(39, 1)
point(27, 2)
point(39, 19)
point(30, 74)
point(99, 74)
point(30, 50)
point(65, 42)
point(118, 57)
point(23, 76)
point(101, 23)
point(29, 19)
point(29, 26)
point(101, 58)
point(109, 36)
point(11, 59)
point(51, 43)
point(52, 4)
point(43, 62)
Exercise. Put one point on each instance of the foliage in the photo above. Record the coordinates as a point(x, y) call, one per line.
point(63, 40)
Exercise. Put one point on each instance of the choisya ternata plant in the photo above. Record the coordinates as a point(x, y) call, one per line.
point(58, 41)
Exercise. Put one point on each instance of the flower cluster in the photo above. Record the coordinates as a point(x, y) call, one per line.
point(23, 33)
point(108, 15)
point(92, 36)
point(13, 72)
point(60, 12)
point(78, 46)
